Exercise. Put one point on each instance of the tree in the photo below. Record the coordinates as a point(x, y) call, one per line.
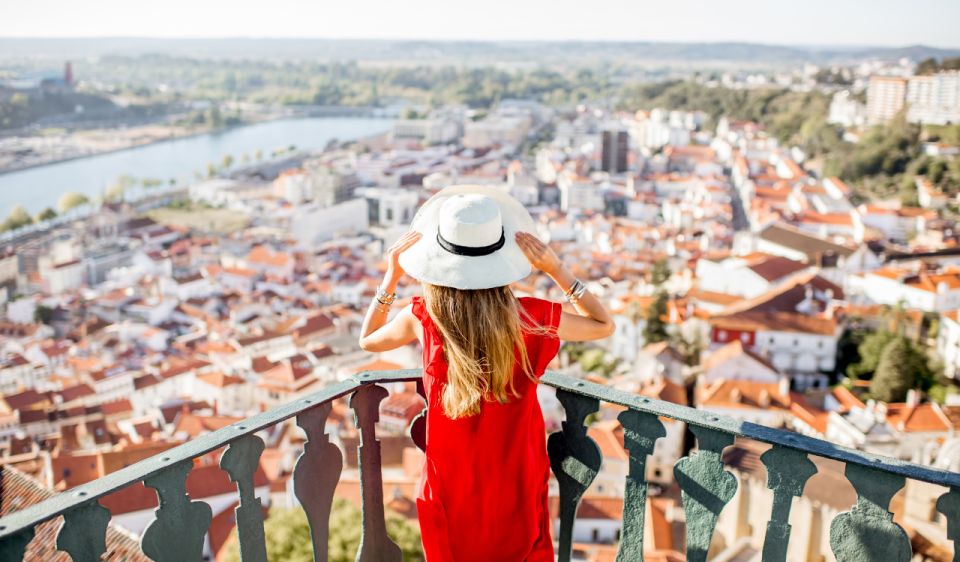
point(18, 218)
point(213, 117)
point(895, 372)
point(46, 214)
point(70, 201)
point(288, 535)
point(869, 351)
point(595, 361)
point(660, 272)
point(42, 314)
point(227, 161)
point(655, 330)
point(114, 193)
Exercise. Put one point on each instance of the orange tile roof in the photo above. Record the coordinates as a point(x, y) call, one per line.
point(920, 418)
point(378, 365)
point(608, 435)
point(219, 379)
point(195, 425)
point(743, 394)
point(21, 491)
point(263, 255)
point(847, 399)
point(730, 351)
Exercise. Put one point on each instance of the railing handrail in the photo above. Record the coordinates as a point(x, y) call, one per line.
point(31, 516)
point(19, 521)
point(755, 432)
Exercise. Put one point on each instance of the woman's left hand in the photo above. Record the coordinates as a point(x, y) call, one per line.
point(394, 271)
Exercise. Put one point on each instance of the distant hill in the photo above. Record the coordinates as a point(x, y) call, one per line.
point(462, 51)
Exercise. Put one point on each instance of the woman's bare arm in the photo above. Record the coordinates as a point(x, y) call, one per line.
point(591, 321)
point(377, 333)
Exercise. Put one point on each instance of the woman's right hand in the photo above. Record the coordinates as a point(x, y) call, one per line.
point(540, 255)
point(392, 255)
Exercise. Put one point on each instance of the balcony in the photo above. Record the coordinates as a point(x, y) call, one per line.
point(866, 532)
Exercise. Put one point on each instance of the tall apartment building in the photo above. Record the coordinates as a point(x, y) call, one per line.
point(934, 99)
point(886, 95)
point(616, 145)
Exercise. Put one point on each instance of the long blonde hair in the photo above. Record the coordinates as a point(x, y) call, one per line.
point(480, 330)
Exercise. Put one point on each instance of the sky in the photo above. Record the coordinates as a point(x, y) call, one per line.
point(810, 22)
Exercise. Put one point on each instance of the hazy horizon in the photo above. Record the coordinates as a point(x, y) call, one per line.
point(813, 46)
point(818, 23)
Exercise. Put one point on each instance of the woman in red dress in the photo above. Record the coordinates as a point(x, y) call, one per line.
point(483, 491)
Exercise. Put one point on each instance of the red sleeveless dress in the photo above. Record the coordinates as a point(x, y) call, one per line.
point(482, 495)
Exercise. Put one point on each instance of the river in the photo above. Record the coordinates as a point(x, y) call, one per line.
point(40, 187)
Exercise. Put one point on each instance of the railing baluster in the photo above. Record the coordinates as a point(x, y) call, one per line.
point(418, 427)
point(84, 532)
point(640, 434)
point(316, 475)
point(949, 505)
point(240, 461)
point(867, 532)
point(375, 544)
point(575, 460)
point(15, 546)
point(706, 489)
point(787, 473)
point(178, 530)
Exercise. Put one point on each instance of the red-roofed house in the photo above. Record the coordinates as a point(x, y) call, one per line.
point(733, 361)
point(271, 263)
point(229, 393)
point(930, 291)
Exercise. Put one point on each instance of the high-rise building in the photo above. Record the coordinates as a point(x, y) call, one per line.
point(934, 99)
point(616, 145)
point(886, 95)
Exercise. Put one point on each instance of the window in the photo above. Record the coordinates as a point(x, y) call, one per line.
point(796, 343)
point(595, 535)
point(744, 337)
point(722, 335)
point(389, 214)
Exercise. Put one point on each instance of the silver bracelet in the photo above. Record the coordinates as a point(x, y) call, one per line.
point(576, 291)
point(384, 297)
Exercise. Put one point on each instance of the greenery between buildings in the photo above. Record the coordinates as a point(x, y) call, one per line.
point(288, 535)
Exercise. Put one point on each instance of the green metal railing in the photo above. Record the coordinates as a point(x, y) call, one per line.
point(866, 532)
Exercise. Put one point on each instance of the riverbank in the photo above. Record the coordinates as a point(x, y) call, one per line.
point(16, 152)
point(178, 161)
point(87, 144)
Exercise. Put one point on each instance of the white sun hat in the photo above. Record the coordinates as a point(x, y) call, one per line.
point(468, 239)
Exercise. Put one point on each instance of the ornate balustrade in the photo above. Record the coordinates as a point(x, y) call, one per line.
point(866, 532)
